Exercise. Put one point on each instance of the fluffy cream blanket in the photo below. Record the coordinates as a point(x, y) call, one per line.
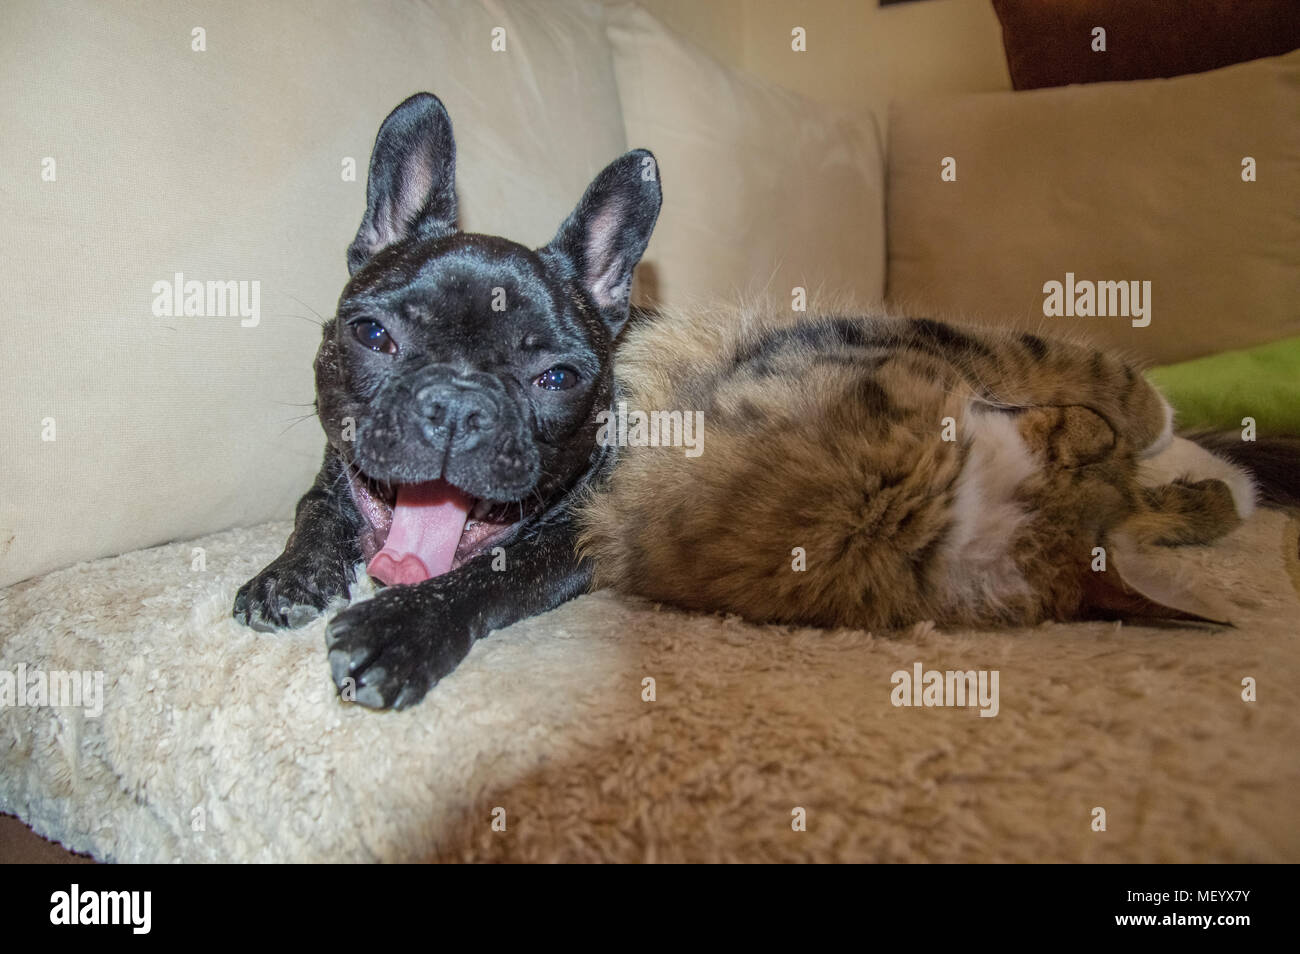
point(220, 744)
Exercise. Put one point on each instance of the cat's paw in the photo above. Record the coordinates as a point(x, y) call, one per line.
point(1068, 436)
point(1188, 462)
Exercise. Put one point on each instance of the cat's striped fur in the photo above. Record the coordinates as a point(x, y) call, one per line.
point(826, 436)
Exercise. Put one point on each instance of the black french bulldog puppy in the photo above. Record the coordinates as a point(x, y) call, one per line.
point(458, 386)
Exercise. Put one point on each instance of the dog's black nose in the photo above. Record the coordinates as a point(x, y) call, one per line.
point(459, 409)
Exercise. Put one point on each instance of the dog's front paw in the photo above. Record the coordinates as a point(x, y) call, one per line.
point(291, 592)
point(387, 652)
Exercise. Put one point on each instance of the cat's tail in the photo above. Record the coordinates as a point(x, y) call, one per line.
point(1273, 462)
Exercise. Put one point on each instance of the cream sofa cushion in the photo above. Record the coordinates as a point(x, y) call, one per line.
point(1110, 181)
point(764, 190)
point(227, 164)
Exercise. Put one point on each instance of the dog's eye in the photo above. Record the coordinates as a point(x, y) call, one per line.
point(557, 379)
point(373, 336)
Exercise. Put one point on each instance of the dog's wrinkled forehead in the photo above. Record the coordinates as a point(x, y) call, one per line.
point(460, 282)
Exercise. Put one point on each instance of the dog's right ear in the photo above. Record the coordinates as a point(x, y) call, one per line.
point(411, 192)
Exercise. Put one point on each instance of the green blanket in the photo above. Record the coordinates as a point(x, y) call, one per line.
point(1219, 391)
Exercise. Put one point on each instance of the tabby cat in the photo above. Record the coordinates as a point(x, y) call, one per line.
point(875, 472)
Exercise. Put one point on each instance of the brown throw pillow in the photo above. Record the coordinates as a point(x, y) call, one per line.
point(1050, 42)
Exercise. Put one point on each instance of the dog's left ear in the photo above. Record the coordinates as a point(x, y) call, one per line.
point(601, 242)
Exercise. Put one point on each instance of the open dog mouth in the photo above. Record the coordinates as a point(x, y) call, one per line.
point(418, 531)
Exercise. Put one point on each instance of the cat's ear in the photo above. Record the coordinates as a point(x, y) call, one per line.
point(600, 243)
point(1152, 582)
point(411, 190)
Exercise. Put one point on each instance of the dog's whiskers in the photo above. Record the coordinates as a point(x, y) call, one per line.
point(309, 308)
point(311, 321)
point(294, 422)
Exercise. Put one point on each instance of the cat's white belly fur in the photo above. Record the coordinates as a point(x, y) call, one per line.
point(977, 558)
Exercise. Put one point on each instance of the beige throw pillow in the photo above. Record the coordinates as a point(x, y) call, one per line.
point(1186, 186)
point(764, 190)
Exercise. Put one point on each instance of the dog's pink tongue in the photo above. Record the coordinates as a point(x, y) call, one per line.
point(428, 520)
